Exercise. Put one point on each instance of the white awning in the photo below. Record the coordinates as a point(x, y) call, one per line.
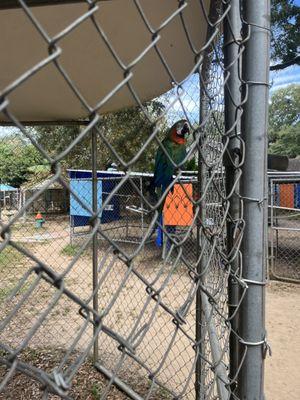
point(46, 96)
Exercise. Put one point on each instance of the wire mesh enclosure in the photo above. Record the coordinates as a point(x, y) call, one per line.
point(284, 221)
point(141, 281)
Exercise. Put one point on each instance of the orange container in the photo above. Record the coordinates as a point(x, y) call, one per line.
point(287, 195)
point(178, 209)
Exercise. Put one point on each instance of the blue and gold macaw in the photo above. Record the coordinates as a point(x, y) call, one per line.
point(175, 146)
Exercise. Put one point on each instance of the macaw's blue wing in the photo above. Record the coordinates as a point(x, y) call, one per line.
point(164, 169)
point(163, 175)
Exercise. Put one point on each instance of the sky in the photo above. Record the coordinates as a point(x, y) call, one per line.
point(281, 79)
point(278, 80)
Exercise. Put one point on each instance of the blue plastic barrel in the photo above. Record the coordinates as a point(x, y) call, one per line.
point(297, 195)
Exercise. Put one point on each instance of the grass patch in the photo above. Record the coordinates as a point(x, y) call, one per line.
point(28, 229)
point(163, 394)
point(9, 259)
point(70, 250)
point(96, 391)
point(5, 292)
point(9, 255)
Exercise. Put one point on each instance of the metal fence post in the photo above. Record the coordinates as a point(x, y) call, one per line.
point(253, 188)
point(232, 97)
point(202, 262)
point(95, 241)
point(204, 77)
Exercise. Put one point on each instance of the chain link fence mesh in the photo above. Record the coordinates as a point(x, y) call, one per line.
point(284, 220)
point(88, 275)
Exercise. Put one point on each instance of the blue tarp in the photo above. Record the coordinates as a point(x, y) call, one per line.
point(83, 187)
point(7, 188)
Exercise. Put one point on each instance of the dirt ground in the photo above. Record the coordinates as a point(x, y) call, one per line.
point(283, 325)
point(52, 246)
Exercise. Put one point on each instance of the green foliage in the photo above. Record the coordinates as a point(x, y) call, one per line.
point(285, 38)
point(284, 121)
point(191, 165)
point(55, 139)
point(127, 130)
point(284, 108)
point(288, 142)
point(16, 158)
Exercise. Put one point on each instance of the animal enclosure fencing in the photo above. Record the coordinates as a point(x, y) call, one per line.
point(9, 198)
point(162, 294)
point(284, 226)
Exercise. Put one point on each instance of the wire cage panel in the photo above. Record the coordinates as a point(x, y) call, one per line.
point(284, 227)
point(140, 286)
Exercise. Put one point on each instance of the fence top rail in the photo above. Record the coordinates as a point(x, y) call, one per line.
point(285, 208)
point(285, 175)
point(187, 174)
point(285, 181)
point(280, 228)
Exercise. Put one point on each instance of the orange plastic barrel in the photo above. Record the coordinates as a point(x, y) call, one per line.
point(178, 208)
point(286, 191)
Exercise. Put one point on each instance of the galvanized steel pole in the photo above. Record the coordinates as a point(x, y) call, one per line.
point(232, 97)
point(201, 263)
point(95, 239)
point(254, 129)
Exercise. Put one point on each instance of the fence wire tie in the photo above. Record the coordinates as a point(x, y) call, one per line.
point(60, 381)
point(251, 199)
point(266, 346)
point(267, 349)
point(252, 282)
point(253, 83)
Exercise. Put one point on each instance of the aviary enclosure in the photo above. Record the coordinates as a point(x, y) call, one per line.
point(160, 293)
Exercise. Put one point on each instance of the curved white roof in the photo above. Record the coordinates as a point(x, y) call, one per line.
point(46, 96)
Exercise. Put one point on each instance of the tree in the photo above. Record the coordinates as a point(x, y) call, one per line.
point(284, 121)
point(285, 34)
point(284, 109)
point(288, 142)
point(126, 130)
point(16, 158)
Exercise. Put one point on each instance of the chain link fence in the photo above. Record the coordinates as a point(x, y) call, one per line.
point(108, 288)
point(284, 221)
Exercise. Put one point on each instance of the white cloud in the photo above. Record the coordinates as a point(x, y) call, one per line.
point(285, 77)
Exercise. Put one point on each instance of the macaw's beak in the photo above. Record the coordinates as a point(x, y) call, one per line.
point(183, 130)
